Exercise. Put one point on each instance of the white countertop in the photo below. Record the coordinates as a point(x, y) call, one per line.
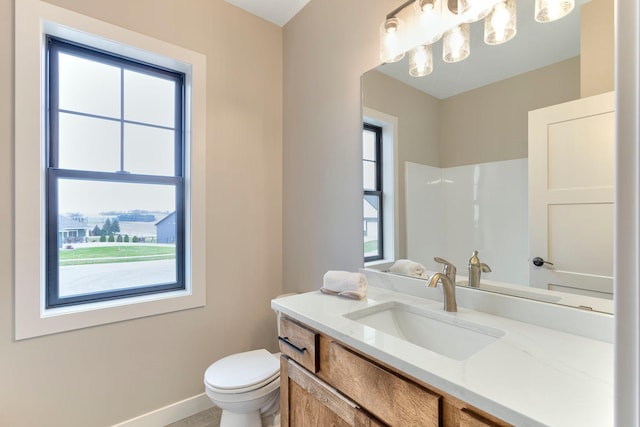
point(531, 376)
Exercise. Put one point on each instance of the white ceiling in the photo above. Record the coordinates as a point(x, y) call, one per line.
point(534, 46)
point(277, 11)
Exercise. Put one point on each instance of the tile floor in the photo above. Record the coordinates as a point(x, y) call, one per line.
point(207, 418)
point(211, 418)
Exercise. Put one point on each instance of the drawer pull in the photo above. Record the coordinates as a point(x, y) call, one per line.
point(292, 345)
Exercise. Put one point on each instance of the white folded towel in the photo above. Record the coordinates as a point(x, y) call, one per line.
point(408, 268)
point(344, 283)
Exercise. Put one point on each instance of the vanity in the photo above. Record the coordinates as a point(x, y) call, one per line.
point(397, 358)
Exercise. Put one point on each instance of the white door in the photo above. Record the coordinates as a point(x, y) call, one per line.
point(571, 190)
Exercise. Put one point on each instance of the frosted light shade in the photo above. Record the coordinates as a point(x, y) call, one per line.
point(551, 10)
point(421, 61)
point(391, 33)
point(500, 24)
point(473, 10)
point(428, 14)
point(455, 44)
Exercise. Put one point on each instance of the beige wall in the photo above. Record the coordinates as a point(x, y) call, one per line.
point(418, 130)
point(495, 116)
point(491, 123)
point(418, 116)
point(102, 375)
point(327, 47)
point(597, 47)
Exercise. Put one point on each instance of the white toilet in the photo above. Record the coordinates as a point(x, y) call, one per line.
point(246, 386)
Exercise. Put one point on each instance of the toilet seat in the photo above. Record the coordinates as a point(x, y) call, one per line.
point(232, 375)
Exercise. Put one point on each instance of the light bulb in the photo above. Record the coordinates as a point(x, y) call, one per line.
point(391, 40)
point(421, 61)
point(455, 44)
point(456, 41)
point(500, 17)
point(500, 25)
point(428, 16)
point(425, 6)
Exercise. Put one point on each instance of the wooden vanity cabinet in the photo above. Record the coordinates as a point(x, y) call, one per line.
point(323, 382)
point(307, 401)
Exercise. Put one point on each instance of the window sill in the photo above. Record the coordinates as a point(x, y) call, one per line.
point(380, 264)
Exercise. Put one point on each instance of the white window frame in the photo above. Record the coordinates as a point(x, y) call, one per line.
point(34, 19)
point(389, 125)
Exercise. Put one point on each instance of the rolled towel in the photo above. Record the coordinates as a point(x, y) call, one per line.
point(344, 283)
point(408, 268)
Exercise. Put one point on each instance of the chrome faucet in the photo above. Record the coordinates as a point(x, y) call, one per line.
point(476, 268)
point(448, 279)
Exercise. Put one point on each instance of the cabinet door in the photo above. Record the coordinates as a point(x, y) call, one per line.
point(306, 401)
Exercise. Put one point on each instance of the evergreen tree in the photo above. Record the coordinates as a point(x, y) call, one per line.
point(126, 238)
point(115, 226)
point(106, 228)
point(111, 238)
point(103, 238)
point(96, 231)
point(119, 238)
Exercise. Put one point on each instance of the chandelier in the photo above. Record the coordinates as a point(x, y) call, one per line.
point(415, 29)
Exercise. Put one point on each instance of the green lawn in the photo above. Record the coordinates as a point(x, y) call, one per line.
point(108, 254)
point(371, 246)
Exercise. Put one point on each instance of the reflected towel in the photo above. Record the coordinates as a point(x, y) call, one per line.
point(344, 283)
point(408, 268)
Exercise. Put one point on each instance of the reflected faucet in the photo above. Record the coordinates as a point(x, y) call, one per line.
point(476, 268)
point(448, 279)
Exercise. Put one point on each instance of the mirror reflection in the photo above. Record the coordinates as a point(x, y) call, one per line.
point(456, 160)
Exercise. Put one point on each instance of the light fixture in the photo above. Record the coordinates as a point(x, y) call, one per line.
point(391, 49)
point(473, 10)
point(551, 10)
point(500, 24)
point(455, 43)
point(421, 60)
point(428, 14)
point(416, 30)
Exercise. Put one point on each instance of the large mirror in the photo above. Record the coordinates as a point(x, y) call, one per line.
point(460, 140)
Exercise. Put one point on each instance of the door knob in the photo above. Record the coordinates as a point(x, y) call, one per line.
point(537, 261)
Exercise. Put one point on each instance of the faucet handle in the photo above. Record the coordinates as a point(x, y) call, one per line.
point(441, 260)
point(448, 269)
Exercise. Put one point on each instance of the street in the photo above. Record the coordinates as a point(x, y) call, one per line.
point(90, 278)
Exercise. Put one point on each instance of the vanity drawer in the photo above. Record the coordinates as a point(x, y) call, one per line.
point(388, 397)
point(299, 343)
point(307, 401)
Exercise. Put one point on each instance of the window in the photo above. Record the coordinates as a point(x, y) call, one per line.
point(114, 170)
point(78, 142)
point(373, 195)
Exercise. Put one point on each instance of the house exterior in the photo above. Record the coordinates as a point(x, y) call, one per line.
point(166, 229)
point(71, 230)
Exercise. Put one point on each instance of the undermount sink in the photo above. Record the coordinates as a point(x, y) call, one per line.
point(436, 331)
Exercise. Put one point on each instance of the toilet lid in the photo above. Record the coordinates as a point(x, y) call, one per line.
point(243, 370)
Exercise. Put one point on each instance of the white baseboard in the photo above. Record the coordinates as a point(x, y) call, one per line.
point(170, 413)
